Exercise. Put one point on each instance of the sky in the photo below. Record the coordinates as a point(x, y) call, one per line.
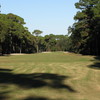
point(49, 16)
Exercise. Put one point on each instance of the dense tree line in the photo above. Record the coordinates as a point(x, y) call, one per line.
point(85, 32)
point(15, 37)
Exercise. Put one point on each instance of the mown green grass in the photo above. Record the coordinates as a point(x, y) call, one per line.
point(49, 76)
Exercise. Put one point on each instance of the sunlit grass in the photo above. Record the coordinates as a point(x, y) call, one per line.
point(49, 76)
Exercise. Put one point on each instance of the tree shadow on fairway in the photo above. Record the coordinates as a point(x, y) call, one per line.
point(40, 98)
point(3, 96)
point(35, 98)
point(96, 64)
point(35, 80)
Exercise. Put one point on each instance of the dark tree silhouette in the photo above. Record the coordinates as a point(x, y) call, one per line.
point(35, 80)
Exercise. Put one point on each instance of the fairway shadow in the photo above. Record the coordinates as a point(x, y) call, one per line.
point(96, 64)
point(3, 95)
point(35, 98)
point(40, 98)
point(35, 80)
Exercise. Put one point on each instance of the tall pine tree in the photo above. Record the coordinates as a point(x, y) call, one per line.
point(86, 30)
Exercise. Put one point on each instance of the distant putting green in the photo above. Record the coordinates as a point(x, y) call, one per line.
point(49, 76)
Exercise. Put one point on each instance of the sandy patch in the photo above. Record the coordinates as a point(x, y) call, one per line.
point(18, 54)
point(66, 52)
point(46, 52)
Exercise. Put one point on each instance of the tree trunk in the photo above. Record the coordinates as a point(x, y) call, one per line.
point(37, 48)
point(20, 50)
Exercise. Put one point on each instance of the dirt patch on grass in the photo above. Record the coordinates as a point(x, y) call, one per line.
point(18, 54)
point(47, 52)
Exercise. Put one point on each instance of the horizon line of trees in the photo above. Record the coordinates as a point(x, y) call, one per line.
point(15, 37)
point(83, 36)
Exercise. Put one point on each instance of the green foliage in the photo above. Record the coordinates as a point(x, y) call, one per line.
point(14, 37)
point(36, 32)
point(85, 37)
point(56, 42)
point(37, 40)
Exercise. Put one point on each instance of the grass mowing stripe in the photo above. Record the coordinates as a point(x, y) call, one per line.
point(49, 76)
